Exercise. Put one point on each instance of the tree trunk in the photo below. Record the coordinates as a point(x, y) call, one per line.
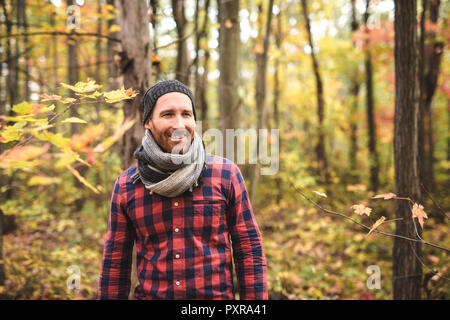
point(320, 146)
point(73, 73)
point(98, 50)
point(276, 99)
point(260, 90)
point(354, 91)
point(228, 66)
point(182, 67)
point(370, 106)
point(201, 80)
point(407, 268)
point(136, 67)
point(431, 54)
point(111, 51)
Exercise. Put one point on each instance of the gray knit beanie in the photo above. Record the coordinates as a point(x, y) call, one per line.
point(161, 88)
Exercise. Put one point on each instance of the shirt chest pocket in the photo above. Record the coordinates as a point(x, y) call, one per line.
point(208, 216)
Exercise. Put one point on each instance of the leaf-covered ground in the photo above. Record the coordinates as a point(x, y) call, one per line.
point(310, 255)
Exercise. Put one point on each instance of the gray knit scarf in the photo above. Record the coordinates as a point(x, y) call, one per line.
point(169, 174)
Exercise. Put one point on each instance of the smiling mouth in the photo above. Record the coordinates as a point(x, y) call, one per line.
point(177, 137)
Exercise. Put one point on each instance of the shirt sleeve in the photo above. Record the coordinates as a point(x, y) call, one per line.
point(115, 275)
point(249, 259)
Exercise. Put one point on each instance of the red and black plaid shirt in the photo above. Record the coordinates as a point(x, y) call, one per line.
point(183, 243)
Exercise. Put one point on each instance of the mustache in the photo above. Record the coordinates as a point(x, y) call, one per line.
point(180, 133)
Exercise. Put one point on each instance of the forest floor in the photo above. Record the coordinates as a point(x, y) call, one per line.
point(310, 255)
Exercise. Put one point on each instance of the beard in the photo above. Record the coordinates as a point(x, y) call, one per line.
point(176, 142)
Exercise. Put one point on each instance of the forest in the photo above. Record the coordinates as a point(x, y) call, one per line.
point(342, 109)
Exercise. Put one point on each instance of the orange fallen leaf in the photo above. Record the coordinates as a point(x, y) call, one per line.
point(419, 213)
point(361, 209)
point(385, 196)
point(376, 224)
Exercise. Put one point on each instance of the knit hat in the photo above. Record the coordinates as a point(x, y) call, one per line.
point(161, 88)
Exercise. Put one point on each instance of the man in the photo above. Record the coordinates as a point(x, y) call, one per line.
point(182, 206)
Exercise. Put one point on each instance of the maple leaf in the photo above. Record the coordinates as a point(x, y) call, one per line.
point(83, 87)
point(385, 196)
point(119, 95)
point(377, 224)
point(46, 97)
point(22, 153)
point(361, 209)
point(419, 213)
point(41, 108)
point(320, 194)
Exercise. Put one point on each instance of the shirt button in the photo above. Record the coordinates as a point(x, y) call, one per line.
point(176, 229)
point(177, 283)
point(176, 204)
point(177, 256)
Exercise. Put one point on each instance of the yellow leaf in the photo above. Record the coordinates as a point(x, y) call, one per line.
point(419, 213)
point(115, 28)
point(81, 179)
point(361, 209)
point(68, 100)
point(377, 224)
point(83, 87)
point(10, 133)
point(119, 95)
point(22, 108)
point(43, 180)
point(73, 120)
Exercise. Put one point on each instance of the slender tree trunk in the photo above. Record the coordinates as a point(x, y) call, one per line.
point(24, 25)
point(260, 90)
point(73, 73)
point(276, 99)
point(136, 67)
point(370, 109)
point(354, 91)
point(228, 66)
point(182, 67)
point(320, 146)
point(98, 49)
point(111, 53)
point(154, 21)
point(201, 80)
point(407, 268)
point(431, 52)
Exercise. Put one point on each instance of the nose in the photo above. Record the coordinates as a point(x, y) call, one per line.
point(178, 122)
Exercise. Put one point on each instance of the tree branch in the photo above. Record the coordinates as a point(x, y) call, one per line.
point(367, 227)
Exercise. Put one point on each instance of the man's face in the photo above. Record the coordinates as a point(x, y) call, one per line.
point(172, 122)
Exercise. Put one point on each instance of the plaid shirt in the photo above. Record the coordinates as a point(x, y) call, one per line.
point(183, 243)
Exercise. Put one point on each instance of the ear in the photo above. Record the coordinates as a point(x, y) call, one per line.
point(149, 124)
